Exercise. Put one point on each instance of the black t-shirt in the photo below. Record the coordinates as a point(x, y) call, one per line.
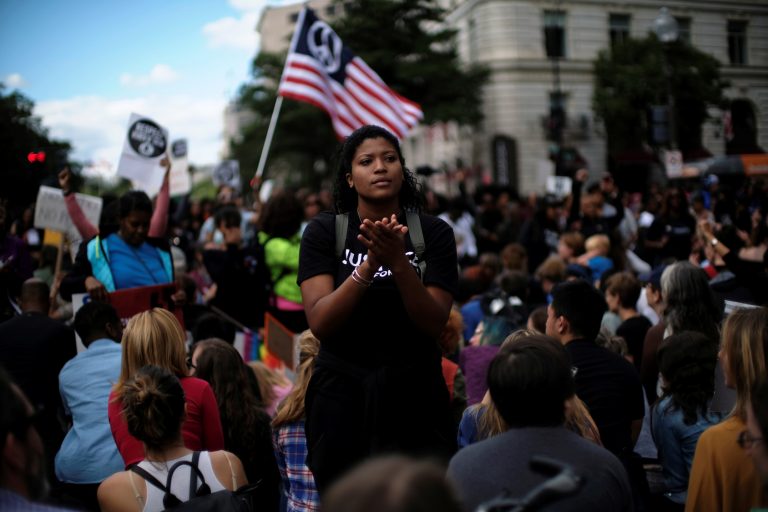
point(610, 387)
point(379, 331)
point(633, 331)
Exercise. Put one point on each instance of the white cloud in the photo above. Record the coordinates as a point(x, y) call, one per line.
point(14, 81)
point(96, 126)
point(159, 74)
point(233, 32)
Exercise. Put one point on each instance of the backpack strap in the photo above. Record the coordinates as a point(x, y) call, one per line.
point(415, 233)
point(143, 473)
point(342, 224)
point(171, 500)
point(417, 239)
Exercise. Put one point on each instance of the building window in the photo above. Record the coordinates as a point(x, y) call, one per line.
point(683, 29)
point(294, 17)
point(554, 34)
point(618, 28)
point(330, 10)
point(472, 40)
point(737, 42)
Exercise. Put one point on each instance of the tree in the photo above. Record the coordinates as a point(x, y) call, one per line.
point(631, 77)
point(413, 54)
point(22, 133)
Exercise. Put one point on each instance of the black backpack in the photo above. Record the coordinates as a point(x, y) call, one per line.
point(201, 499)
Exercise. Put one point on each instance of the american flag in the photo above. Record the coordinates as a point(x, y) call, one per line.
point(322, 71)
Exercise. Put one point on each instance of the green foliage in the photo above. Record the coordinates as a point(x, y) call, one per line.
point(415, 56)
point(631, 77)
point(401, 41)
point(21, 133)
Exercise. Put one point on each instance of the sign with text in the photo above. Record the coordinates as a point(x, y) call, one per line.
point(51, 212)
point(179, 180)
point(559, 186)
point(146, 142)
point(673, 161)
point(227, 173)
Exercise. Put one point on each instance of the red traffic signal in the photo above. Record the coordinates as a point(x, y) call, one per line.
point(36, 157)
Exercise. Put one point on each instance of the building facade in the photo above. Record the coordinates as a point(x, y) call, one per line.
point(528, 76)
point(509, 37)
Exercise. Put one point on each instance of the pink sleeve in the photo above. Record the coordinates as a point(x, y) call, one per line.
point(213, 434)
point(130, 448)
point(83, 225)
point(160, 216)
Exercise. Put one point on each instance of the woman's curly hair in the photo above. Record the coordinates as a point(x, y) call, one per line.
point(687, 362)
point(345, 197)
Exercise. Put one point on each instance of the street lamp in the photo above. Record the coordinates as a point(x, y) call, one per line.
point(665, 26)
point(666, 29)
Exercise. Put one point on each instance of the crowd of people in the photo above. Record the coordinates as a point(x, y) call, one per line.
point(451, 352)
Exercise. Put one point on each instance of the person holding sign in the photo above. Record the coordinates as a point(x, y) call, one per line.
point(87, 230)
point(126, 259)
point(378, 384)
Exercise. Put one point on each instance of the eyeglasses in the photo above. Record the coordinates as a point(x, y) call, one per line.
point(189, 363)
point(746, 440)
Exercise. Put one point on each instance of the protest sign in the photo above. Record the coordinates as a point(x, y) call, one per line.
point(179, 181)
point(146, 142)
point(132, 301)
point(51, 212)
point(559, 186)
point(227, 173)
point(279, 340)
point(673, 162)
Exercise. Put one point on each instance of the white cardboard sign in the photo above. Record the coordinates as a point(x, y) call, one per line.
point(179, 181)
point(559, 186)
point(145, 144)
point(51, 212)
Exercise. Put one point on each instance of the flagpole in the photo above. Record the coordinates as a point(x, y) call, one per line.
point(268, 139)
point(278, 105)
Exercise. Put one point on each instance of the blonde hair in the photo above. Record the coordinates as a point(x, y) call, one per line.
point(598, 243)
point(267, 379)
point(745, 344)
point(292, 408)
point(156, 338)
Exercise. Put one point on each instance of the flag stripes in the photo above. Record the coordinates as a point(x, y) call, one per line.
point(352, 96)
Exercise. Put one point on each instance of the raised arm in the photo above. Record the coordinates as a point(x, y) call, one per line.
point(82, 224)
point(159, 223)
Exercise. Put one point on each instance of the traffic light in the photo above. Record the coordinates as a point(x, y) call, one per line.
point(36, 157)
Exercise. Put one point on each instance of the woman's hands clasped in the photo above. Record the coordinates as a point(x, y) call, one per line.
point(385, 241)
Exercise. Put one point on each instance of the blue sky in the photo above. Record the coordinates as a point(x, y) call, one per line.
point(88, 64)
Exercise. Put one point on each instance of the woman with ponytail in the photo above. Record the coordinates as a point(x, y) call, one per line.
point(154, 409)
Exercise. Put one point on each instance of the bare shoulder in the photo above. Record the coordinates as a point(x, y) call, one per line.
point(115, 494)
point(221, 467)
